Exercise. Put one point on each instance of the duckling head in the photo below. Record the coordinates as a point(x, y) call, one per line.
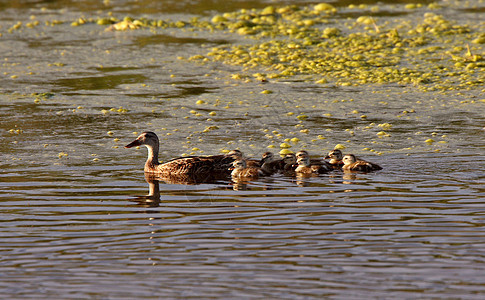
point(302, 154)
point(349, 159)
point(303, 161)
point(334, 154)
point(147, 138)
point(267, 157)
point(238, 164)
point(289, 159)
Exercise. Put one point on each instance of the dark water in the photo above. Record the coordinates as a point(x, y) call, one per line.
point(75, 221)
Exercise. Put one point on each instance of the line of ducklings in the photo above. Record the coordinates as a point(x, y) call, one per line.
point(234, 164)
point(299, 163)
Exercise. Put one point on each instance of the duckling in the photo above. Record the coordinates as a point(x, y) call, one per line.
point(266, 157)
point(240, 170)
point(351, 163)
point(289, 162)
point(205, 166)
point(302, 153)
point(270, 165)
point(318, 162)
point(335, 157)
point(306, 168)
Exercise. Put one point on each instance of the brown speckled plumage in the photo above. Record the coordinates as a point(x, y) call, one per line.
point(241, 171)
point(351, 163)
point(305, 167)
point(321, 164)
point(195, 166)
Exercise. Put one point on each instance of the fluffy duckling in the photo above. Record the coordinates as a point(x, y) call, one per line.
point(270, 165)
point(318, 162)
point(289, 162)
point(266, 157)
point(335, 157)
point(207, 166)
point(351, 163)
point(306, 168)
point(240, 170)
point(302, 154)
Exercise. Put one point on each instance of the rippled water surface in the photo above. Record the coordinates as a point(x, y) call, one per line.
point(79, 220)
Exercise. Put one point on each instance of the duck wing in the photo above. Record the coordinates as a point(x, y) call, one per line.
point(369, 166)
point(375, 167)
point(198, 165)
point(361, 166)
point(270, 168)
point(321, 169)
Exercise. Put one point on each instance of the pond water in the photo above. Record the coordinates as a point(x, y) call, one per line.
point(78, 218)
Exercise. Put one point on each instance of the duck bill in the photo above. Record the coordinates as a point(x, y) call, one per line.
point(133, 144)
point(327, 157)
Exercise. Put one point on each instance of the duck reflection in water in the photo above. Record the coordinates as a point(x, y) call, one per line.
point(240, 184)
point(153, 197)
point(348, 177)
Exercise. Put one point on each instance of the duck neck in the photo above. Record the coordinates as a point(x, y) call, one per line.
point(152, 160)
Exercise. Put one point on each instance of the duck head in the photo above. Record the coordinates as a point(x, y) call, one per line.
point(147, 138)
point(267, 157)
point(302, 154)
point(349, 159)
point(303, 161)
point(335, 155)
point(238, 164)
point(150, 140)
point(289, 159)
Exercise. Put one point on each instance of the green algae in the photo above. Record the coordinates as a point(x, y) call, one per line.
point(431, 52)
point(315, 50)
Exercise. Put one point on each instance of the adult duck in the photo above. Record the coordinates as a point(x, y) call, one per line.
point(196, 166)
point(351, 163)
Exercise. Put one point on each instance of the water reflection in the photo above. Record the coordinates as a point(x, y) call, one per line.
point(97, 82)
point(153, 197)
point(266, 183)
point(240, 184)
point(270, 238)
point(144, 41)
point(348, 177)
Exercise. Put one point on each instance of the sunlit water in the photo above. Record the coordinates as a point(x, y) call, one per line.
point(78, 218)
